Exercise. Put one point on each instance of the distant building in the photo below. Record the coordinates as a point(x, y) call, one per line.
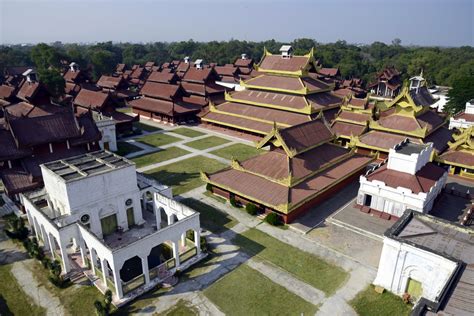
point(432, 261)
point(463, 119)
point(460, 155)
point(98, 214)
point(388, 83)
point(406, 116)
point(407, 181)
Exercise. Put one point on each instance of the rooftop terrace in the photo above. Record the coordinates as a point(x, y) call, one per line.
point(86, 165)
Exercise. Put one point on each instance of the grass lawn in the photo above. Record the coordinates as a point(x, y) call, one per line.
point(124, 109)
point(371, 303)
point(187, 132)
point(76, 299)
point(184, 175)
point(207, 142)
point(13, 301)
point(158, 140)
point(146, 127)
point(211, 218)
point(321, 274)
point(181, 309)
point(245, 291)
point(124, 148)
point(142, 302)
point(238, 151)
point(160, 156)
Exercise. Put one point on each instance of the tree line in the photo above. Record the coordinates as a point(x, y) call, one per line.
point(441, 66)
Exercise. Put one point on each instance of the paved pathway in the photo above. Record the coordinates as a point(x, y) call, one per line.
point(40, 295)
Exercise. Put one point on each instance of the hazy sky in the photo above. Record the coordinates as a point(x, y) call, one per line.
point(422, 22)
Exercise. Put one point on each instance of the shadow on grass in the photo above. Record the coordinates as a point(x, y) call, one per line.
point(211, 218)
point(4, 310)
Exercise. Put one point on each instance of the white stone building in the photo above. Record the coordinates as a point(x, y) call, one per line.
point(432, 260)
point(102, 217)
point(464, 119)
point(106, 126)
point(407, 181)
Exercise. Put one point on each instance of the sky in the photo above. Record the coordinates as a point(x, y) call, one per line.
point(417, 22)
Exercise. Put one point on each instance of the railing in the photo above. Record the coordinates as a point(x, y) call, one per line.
point(171, 263)
point(133, 284)
point(188, 254)
point(161, 271)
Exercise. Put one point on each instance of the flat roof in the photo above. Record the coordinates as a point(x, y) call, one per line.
point(86, 165)
point(408, 148)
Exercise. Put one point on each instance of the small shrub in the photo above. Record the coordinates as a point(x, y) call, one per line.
point(233, 202)
point(251, 208)
point(273, 219)
point(203, 244)
point(16, 228)
point(209, 187)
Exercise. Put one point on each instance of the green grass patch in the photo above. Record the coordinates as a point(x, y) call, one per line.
point(124, 109)
point(188, 132)
point(238, 151)
point(124, 148)
point(76, 299)
point(146, 127)
point(245, 291)
point(160, 156)
point(371, 303)
point(211, 218)
point(142, 302)
point(182, 308)
point(207, 142)
point(184, 175)
point(158, 140)
point(322, 275)
point(13, 301)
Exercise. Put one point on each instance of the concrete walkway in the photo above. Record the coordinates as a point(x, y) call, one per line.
point(40, 295)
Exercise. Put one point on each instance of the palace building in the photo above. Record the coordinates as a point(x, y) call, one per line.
point(302, 169)
point(388, 83)
point(460, 155)
point(353, 118)
point(102, 218)
point(407, 116)
point(286, 93)
point(407, 180)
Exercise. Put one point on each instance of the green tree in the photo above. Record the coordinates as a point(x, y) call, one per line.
point(103, 62)
point(53, 81)
point(461, 92)
point(45, 56)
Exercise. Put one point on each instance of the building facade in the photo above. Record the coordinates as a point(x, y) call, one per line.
point(464, 119)
point(98, 215)
point(407, 181)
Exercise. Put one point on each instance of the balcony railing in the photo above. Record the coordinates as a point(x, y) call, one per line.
point(188, 254)
point(133, 283)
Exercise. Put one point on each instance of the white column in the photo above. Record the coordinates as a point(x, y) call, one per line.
point(52, 246)
point(176, 253)
point(105, 270)
point(157, 212)
point(197, 241)
point(64, 257)
point(93, 259)
point(146, 272)
point(170, 219)
point(183, 239)
point(45, 238)
point(117, 281)
point(82, 248)
point(35, 227)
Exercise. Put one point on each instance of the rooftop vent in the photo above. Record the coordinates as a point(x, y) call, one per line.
point(186, 59)
point(198, 63)
point(244, 56)
point(286, 51)
point(30, 75)
point(74, 67)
